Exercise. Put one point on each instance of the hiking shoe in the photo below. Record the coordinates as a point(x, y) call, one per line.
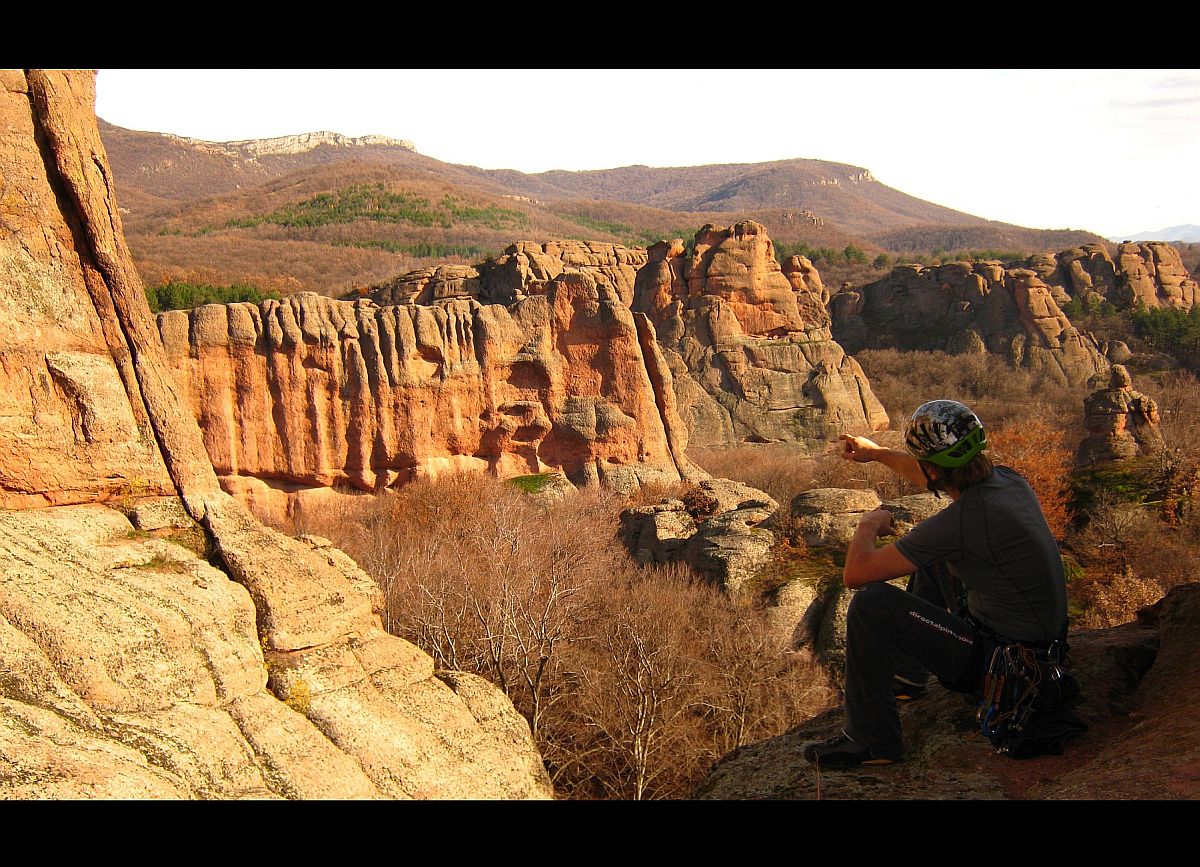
point(841, 752)
point(907, 690)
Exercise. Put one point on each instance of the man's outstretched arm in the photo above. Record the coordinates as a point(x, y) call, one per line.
point(866, 564)
point(863, 451)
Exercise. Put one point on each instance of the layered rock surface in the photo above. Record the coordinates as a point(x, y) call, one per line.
point(301, 395)
point(967, 307)
point(1149, 274)
point(132, 667)
point(721, 529)
point(750, 347)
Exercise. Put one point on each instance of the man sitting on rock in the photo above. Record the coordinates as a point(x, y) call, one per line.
point(992, 537)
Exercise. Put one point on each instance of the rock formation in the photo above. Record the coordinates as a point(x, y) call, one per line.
point(1149, 273)
point(720, 529)
point(810, 612)
point(131, 667)
point(967, 307)
point(1121, 423)
point(750, 347)
point(304, 394)
point(525, 268)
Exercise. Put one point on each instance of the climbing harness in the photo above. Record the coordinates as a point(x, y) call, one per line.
point(1025, 690)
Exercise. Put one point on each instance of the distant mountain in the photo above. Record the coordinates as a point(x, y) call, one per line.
point(843, 194)
point(158, 167)
point(326, 212)
point(1188, 233)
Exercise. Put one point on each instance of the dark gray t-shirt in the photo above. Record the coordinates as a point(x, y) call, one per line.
point(995, 539)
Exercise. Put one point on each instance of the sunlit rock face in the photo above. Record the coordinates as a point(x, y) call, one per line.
point(133, 667)
point(1121, 422)
point(305, 394)
point(524, 268)
point(1148, 273)
point(967, 307)
point(750, 346)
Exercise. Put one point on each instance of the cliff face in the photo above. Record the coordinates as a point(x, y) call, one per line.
point(131, 666)
point(967, 307)
point(531, 362)
point(1149, 273)
point(301, 395)
point(751, 349)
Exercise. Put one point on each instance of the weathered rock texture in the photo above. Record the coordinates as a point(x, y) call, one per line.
point(720, 528)
point(967, 307)
point(750, 347)
point(1144, 740)
point(1121, 422)
point(131, 667)
point(1149, 273)
point(525, 268)
point(304, 394)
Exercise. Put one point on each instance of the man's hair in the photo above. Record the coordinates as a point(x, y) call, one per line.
point(975, 471)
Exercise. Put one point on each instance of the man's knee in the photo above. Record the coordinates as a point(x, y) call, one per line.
point(874, 602)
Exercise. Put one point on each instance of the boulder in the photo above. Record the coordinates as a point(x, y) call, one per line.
point(1121, 423)
point(720, 528)
point(827, 517)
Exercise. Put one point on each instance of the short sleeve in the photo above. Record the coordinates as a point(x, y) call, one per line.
point(937, 539)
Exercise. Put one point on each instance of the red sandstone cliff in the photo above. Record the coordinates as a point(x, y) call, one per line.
point(309, 393)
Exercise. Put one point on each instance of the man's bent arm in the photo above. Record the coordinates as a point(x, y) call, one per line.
point(863, 450)
point(866, 564)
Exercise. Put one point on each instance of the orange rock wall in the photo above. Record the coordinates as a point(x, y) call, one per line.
point(68, 432)
point(309, 392)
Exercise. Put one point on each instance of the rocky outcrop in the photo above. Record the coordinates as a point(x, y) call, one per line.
point(721, 529)
point(1121, 423)
point(809, 612)
point(750, 348)
point(967, 307)
point(305, 394)
point(1149, 274)
point(1144, 740)
point(525, 268)
point(131, 667)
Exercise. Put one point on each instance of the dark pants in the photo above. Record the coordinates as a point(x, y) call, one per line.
point(888, 631)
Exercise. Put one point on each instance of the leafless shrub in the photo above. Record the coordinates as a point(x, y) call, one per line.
point(633, 680)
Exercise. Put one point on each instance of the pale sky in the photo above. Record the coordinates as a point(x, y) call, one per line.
point(1111, 151)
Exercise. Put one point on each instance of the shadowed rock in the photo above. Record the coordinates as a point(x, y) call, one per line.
point(967, 307)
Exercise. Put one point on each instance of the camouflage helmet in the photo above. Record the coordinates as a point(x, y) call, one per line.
point(945, 433)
